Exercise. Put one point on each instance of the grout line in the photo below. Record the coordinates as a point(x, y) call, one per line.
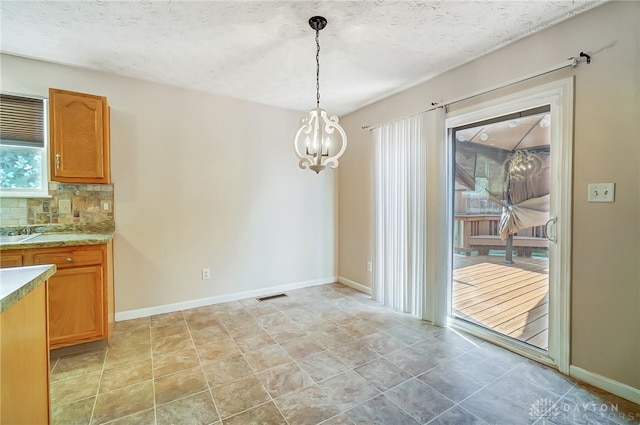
point(209, 389)
point(153, 375)
point(95, 402)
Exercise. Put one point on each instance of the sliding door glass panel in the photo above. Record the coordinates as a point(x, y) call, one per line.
point(501, 205)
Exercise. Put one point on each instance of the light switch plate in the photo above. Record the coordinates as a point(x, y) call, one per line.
point(601, 192)
point(64, 206)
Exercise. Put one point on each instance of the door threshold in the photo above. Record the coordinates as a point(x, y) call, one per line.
point(536, 354)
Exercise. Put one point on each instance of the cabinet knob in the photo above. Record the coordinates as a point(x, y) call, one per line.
point(57, 160)
point(68, 259)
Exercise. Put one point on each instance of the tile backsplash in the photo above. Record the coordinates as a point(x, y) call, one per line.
point(87, 205)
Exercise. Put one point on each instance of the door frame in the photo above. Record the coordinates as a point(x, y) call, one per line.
point(559, 95)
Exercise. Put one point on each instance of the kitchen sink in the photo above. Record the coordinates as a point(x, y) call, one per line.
point(17, 238)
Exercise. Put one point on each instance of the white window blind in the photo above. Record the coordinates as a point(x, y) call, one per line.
point(21, 121)
point(411, 213)
point(400, 214)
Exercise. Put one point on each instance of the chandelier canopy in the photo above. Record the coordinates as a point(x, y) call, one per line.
point(320, 140)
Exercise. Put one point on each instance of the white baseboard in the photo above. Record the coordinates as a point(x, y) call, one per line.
point(614, 387)
point(355, 285)
point(185, 305)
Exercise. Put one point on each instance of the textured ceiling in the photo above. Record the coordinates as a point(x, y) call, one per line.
point(264, 51)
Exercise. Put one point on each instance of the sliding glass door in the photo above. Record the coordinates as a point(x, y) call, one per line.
point(510, 192)
point(501, 206)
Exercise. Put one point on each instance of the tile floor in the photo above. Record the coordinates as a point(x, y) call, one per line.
point(325, 354)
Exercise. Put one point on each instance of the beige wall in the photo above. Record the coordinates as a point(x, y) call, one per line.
point(605, 287)
point(200, 181)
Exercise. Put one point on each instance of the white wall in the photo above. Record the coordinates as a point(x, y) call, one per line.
point(605, 287)
point(201, 181)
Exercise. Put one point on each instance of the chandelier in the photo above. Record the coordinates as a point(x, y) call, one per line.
point(320, 141)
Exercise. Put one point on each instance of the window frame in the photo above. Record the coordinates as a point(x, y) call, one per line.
point(43, 190)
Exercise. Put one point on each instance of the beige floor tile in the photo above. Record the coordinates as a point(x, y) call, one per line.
point(302, 347)
point(382, 374)
point(284, 379)
point(332, 337)
point(267, 357)
point(163, 331)
point(76, 388)
point(137, 336)
point(131, 325)
point(146, 417)
point(79, 364)
point(380, 410)
point(256, 308)
point(240, 395)
point(167, 364)
point(171, 344)
point(204, 321)
point(123, 402)
point(218, 349)
point(341, 419)
point(253, 341)
point(125, 375)
point(74, 413)
point(355, 354)
point(419, 400)
point(266, 413)
point(209, 335)
point(124, 354)
point(196, 409)
point(286, 332)
point(348, 389)
point(164, 319)
point(242, 325)
point(226, 369)
point(273, 319)
point(206, 310)
point(309, 405)
point(322, 365)
point(178, 385)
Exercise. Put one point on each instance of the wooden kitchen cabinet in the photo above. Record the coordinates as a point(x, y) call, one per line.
point(13, 258)
point(24, 363)
point(80, 293)
point(80, 137)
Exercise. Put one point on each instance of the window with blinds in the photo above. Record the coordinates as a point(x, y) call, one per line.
point(23, 153)
point(21, 121)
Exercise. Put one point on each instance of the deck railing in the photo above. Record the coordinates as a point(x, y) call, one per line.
point(479, 232)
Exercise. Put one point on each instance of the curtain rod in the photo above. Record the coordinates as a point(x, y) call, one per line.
point(571, 62)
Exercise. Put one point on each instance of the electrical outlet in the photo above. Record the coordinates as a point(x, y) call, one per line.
point(106, 206)
point(601, 192)
point(206, 274)
point(369, 266)
point(64, 206)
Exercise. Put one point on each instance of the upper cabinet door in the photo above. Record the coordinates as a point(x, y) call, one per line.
point(79, 137)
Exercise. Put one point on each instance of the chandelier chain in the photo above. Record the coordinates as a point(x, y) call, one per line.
point(317, 68)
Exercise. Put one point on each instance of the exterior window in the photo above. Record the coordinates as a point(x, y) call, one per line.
point(23, 147)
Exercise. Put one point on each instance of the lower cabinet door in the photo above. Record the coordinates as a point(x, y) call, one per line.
point(76, 306)
point(24, 361)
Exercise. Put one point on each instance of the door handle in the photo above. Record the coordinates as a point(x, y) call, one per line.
point(553, 238)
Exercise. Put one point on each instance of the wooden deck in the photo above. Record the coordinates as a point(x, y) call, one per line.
point(509, 298)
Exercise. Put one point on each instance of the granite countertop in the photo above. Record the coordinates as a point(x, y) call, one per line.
point(49, 240)
point(17, 282)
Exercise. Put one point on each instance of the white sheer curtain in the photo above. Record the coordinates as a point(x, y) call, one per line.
point(411, 216)
point(400, 214)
